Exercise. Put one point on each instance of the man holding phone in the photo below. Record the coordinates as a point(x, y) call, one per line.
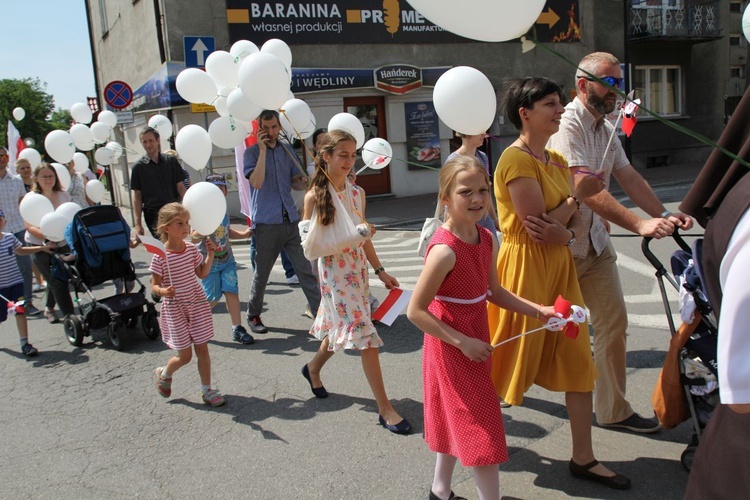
point(272, 168)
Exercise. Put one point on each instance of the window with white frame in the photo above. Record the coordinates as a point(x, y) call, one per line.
point(659, 88)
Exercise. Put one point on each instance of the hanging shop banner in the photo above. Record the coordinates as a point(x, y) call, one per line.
point(393, 78)
point(422, 134)
point(368, 21)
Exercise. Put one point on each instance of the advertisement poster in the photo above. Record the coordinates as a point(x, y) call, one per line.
point(422, 135)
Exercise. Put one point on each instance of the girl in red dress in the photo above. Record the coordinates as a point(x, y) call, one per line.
point(462, 417)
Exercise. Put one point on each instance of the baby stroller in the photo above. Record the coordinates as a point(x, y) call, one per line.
point(99, 238)
point(692, 348)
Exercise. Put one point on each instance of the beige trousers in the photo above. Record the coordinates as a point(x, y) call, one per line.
point(602, 292)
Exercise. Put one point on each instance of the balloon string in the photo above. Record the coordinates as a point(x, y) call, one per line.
point(299, 136)
point(690, 133)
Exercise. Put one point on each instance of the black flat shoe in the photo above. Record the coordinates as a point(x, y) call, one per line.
point(452, 497)
point(403, 427)
point(318, 392)
point(618, 481)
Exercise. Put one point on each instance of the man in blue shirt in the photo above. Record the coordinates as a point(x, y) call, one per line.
point(271, 168)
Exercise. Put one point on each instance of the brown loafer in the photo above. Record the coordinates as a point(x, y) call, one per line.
point(51, 316)
point(618, 481)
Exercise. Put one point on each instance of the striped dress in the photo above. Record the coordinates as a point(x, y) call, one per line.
point(185, 319)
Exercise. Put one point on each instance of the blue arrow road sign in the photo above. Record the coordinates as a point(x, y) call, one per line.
point(197, 49)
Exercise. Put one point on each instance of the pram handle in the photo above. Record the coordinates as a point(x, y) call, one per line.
point(650, 255)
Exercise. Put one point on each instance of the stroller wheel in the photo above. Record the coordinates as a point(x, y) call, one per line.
point(150, 324)
point(73, 330)
point(114, 335)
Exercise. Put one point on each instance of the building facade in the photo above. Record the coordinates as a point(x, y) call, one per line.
point(379, 60)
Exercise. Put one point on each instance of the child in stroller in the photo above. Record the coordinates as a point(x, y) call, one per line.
point(100, 241)
point(688, 385)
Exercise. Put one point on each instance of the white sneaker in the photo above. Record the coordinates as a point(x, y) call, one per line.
point(292, 280)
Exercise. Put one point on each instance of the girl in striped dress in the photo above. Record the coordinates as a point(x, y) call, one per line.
point(185, 318)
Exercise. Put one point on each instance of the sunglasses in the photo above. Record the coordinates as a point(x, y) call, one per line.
point(609, 80)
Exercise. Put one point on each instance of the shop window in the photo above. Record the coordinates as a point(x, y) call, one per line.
point(659, 88)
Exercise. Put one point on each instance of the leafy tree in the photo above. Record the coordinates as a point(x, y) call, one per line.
point(60, 120)
point(31, 95)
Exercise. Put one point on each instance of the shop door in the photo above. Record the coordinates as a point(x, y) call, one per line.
point(371, 112)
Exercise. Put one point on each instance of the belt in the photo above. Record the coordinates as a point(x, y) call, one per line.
point(454, 300)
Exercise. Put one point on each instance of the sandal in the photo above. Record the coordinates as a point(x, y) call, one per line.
point(213, 397)
point(163, 385)
point(51, 316)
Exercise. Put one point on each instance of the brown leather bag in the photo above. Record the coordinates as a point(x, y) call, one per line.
point(669, 398)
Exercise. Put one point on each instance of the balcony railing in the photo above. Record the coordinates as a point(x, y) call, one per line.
point(690, 20)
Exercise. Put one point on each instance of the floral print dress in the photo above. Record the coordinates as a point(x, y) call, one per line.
point(344, 313)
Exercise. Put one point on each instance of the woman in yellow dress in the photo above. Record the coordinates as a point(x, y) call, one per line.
point(533, 182)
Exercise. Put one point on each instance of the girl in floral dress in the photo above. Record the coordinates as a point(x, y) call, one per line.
point(462, 416)
point(343, 319)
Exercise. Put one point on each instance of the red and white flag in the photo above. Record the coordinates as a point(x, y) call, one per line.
point(393, 305)
point(154, 246)
point(629, 118)
point(15, 146)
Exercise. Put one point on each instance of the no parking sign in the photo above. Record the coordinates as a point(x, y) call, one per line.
point(118, 94)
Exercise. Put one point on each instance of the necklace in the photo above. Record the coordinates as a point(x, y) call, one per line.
point(544, 160)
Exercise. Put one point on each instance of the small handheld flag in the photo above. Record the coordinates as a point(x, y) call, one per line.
point(393, 305)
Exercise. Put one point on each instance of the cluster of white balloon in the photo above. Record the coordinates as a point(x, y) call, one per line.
point(240, 84)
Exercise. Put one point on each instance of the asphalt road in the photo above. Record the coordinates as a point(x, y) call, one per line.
point(88, 423)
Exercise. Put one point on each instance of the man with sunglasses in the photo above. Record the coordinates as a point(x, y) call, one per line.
point(583, 139)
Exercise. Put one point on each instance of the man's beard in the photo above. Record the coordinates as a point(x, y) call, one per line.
point(599, 104)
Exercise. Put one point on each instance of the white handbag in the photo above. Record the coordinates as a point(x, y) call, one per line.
point(431, 224)
point(320, 241)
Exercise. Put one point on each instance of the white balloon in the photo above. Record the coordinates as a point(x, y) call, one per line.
point(68, 210)
point(207, 206)
point(745, 29)
point(377, 153)
point(81, 162)
point(465, 100)
point(310, 129)
point(264, 80)
point(295, 117)
point(499, 20)
point(243, 48)
point(241, 107)
point(221, 101)
point(280, 49)
point(32, 155)
point(103, 156)
point(95, 190)
point(82, 137)
point(194, 146)
point(80, 112)
point(222, 67)
point(196, 86)
point(116, 149)
point(226, 132)
point(60, 146)
point(161, 124)
point(34, 206)
point(53, 226)
point(19, 114)
point(101, 132)
point(349, 123)
point(63, 175)
point(108, 118)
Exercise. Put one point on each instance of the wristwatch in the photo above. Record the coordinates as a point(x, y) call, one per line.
point(572, 237)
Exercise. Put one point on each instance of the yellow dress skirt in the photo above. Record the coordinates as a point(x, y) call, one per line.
point(539, 273)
